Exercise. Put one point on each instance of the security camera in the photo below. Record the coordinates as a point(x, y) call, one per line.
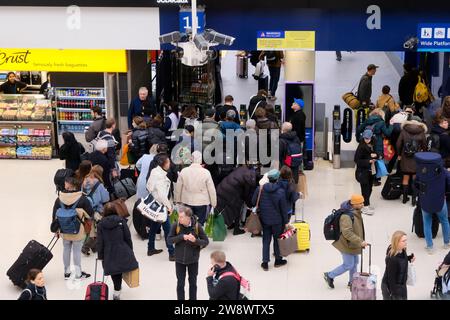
point(200, 42)
point(170, 37)
point(411, 43)
point(217, 37)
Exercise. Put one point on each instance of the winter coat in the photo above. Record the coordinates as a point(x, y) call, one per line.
point(286, 139)
point(114, 246)
point(71, 153)
point(229, 125)
point(291, 193)
point(33, 292)
point(143, 165)
point(233, 191)
point(254, 101)
point(265, 123)
point(298, 121)
point(187, 252)
point(411, 130)
point(159, 186)
point(112, 143)
point(407, 86)
point(98, 158)
point(100, 196)
point(172, 174)
point(221, 112)
point(140, 142)
point(96, 126)
point(226, 288)
point(363, 165)
point(84, 211)
point(352, 233)
point(140, 108)
point(273, 205)
point(444, 141)
point(156, 136)
point(396, 274)
point(273, 63)
point(379, 130)
point(365, 89)
point(195, 187)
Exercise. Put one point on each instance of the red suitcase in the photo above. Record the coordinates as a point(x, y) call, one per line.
point(97, 290)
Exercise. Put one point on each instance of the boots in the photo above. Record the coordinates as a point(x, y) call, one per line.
point(405, 194)
point(414, 196)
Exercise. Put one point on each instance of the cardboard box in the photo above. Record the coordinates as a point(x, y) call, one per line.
point(131, 278)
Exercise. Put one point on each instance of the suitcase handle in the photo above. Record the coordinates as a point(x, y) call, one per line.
point(370, 258)
point(95, 272)
point(50, 246)
point(301, 201)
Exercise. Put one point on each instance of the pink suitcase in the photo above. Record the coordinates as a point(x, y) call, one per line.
point(364, 285)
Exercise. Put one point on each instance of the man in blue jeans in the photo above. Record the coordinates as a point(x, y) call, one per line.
point(154, 228)
point(351, 241)
point(427, 225)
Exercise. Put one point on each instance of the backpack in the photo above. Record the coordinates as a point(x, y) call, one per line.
point(68, 220)
point(421, 92)
point(410, 148)
point(244, 284)
point(433, 143)
point(294, 156)
point(60, 177)
point(271, 56)
point(331, 226)
point(90, 194)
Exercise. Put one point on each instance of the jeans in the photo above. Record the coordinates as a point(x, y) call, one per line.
point(366, 190)
point(274, 78)
point(154, 227)
point(350, 264)
point(428, 220)
point(200, 212)
point(181, 280)
point(270, 232)
point(117, 281)
point(75, 247)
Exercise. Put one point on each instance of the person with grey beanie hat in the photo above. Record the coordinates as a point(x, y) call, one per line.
point(365, 158)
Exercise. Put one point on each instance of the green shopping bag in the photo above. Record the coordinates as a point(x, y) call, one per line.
point(209, 225)
point(173, 217)
point(219, 228)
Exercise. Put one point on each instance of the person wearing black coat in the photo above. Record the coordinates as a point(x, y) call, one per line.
point(232, 192)
point(255, 102)
point(273, 212)
point(115, 247)
point(298, 119)
point(189, 238)
point(140, 139)
point(393, 285)
point(98, 157)
point(289, 138)
point(440, 129)
point(221, 281)
point(407, 85)
point(35, 289)
point(71, 151)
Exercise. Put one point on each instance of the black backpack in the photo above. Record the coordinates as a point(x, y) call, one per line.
point(433, 143)
point(60, 177)
point(331, 226)
point(411, 148)
point(294, 156)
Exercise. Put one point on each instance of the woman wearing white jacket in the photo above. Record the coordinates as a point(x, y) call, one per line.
point(159, 186)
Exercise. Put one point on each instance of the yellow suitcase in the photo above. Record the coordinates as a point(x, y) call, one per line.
point(303, 230)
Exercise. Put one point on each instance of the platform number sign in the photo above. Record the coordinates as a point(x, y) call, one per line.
point(186, 21)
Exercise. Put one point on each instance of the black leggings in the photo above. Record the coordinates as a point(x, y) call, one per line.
point(117, 280)
point(366, 190)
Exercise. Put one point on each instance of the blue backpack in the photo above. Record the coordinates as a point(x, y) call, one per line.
point(69, 222)
point(294, 156)
point(90, 195)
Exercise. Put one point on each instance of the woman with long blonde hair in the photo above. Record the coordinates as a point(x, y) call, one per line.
point(393, 285)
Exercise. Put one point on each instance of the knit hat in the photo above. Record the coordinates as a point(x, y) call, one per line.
point(367, 134)
point(357, 199)
point(273, 174)
point(300, 102)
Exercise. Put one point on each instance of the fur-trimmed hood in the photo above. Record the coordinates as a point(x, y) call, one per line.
point(414, 127)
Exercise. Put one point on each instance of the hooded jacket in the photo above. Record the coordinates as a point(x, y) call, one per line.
point(379, 129)
point(411, 130)
point(352, 232)
point(84, 211)
point(226, 288)
point(286, 139)
point(273, 205)
point(187, 252)
point(114, 246)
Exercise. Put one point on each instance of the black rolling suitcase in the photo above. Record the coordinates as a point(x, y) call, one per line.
point(417, 226)
point(392, 188)
point(242, 67)
point(263, 83)
point(140, 222)
point(33, 256)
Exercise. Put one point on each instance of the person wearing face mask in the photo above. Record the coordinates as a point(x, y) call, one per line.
point(141, 106)
point(393, 285)
point(35, 289)
point(12, 86)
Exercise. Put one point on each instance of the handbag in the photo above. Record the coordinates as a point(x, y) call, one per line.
point(219, 230)
point(253, 223)
point(381, 168)
point(131, 278)
point(152, 209)
point(209, 224)
point(287, 242)
point(412, 277)
point(124, 188)
point(351, 99)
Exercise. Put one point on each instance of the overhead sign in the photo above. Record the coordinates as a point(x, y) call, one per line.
point(434, 37)
point(186, 21)
point(63, 60)
point(286, 40)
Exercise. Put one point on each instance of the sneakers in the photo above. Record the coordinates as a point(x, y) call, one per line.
point(155, 251)
point(328, 280)
point(366, 210)
point(158, 237)
point(265, 266)
point(67, 276)
point(84, 275)
point(429, 250)
point(172, 257)
point(280, 263)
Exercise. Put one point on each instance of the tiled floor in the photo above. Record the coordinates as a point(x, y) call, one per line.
point(28, 197)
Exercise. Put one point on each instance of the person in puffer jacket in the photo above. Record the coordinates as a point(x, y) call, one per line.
point(139, 139)
point(274, 216)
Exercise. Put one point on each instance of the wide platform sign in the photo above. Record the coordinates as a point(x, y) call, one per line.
point(286, 40)
point(434, 37)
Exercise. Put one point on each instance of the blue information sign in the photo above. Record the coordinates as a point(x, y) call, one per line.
point(186, 21)
point(271, 34)
point(434, 37)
